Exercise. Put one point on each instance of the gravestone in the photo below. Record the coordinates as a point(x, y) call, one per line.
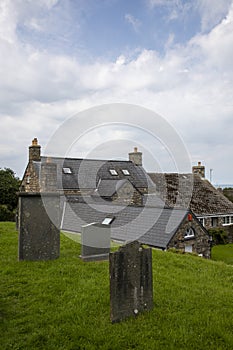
point(131, 287)
point(95, 239)
point(39, 233)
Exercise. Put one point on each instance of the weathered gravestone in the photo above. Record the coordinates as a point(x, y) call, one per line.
point(131, 287)
point(39, 234)
point(95, 239)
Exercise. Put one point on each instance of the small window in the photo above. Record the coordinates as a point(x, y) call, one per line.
point(125, 172)
point(67, 171)
point(227, 220)
point(107, 221)
point(214, 221)
point(113, 172)
point(202, 221)
point(189, 233)
point(188, 249)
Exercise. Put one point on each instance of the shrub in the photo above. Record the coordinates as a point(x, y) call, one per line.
point(6, 214)
point(219, 235)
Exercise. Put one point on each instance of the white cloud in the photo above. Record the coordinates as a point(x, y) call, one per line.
point(212, 12)
point(191, 85)
point(133, 21)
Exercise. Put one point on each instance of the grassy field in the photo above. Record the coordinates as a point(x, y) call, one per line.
point(223, 253)
point(64, 304)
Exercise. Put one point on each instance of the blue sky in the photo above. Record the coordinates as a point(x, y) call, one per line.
point(174, 57)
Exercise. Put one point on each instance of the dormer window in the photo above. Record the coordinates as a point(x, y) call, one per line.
point(113, 172)
point(189, 233)
point(107, 221)
point(125, 172)
point(67, 171)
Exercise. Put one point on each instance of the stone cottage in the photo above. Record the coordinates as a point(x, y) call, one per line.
point(119, 193)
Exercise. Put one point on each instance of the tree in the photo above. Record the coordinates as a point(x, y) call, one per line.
point(9, 186)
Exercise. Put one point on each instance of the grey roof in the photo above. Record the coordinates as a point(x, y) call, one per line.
point(107, 188)
point(86, 173)
point(191, 191)
point(148, 225)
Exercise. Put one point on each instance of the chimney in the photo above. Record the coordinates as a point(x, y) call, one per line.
point(34, 151)
point(136, 157)
point(199, 169)
point(48, 176)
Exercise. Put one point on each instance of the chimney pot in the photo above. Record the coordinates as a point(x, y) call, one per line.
point(199, 163)
point(34, 142)
point(135, 149)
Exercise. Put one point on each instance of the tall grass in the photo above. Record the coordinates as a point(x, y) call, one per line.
point(64, 304)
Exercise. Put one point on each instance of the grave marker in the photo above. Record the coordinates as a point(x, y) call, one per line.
point(131, 287)
point(95, 241)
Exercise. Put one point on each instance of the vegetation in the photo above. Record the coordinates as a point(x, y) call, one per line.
point(223, 253)
point(219, 235)
point(228, 192)
point(64, 304)
point(9, 186)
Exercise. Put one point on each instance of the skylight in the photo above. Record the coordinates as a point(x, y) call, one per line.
point(113, 172)
point(67, 171)
point(125, 172)
point(107, 221)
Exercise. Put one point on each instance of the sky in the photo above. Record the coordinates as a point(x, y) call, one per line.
point(174, 57)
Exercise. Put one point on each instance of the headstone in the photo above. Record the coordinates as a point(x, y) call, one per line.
point(39, 221)
point(95, 241)
point(131, 287)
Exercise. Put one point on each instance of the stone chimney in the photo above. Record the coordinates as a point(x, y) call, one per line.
point(199, 169)
point(136, 157)
point(48, 176)
point(34, 151)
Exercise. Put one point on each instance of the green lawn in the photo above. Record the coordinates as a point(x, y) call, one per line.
point(223, 253)
point(64, 304)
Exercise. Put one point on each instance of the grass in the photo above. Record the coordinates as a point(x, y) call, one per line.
point(223, 253)
point(64, 304)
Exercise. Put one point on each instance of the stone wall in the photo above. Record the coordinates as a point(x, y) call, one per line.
point(199, 243)
point(30, 182)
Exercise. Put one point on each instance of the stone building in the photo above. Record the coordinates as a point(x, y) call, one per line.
point(119, 191)
point(209, 205)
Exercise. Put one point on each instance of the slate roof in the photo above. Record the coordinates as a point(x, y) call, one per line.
point(107, 188)
point(154, 226)
point(191, 191)
point(86, 173)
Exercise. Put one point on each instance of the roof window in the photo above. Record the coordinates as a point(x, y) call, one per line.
point(125, 172)
point(67, 171)
point(113, 172)
point(107, 221)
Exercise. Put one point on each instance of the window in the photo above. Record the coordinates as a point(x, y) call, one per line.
point(107, 221)
point(189, 233)
point(202, 221)
point(214, 222)
point(67, 171)
point(113, 172)
point(227, 220)
point(188, 249)
point(125, 172)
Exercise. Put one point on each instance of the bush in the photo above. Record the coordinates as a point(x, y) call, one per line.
point(6, 214)
point(219, 235)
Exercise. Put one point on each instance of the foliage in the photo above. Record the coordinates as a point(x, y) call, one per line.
point(223, 253)
point(64, 304)
point(9, 186)
point(228, 192)
point(6, 214)
point(219, 235)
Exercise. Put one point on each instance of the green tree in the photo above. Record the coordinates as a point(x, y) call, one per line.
point(9, 186)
